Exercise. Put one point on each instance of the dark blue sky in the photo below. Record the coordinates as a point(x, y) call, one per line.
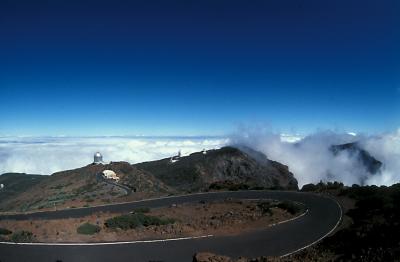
point(198, 67)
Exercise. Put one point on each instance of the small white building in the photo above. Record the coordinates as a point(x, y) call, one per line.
point(1, 186)
point(109, 174)
point(98, 158)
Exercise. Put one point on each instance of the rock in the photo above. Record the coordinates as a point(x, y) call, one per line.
point(209, 257)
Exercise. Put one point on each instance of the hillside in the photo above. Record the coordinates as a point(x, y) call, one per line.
point(83, 187)
point(17, 183)
point(198, 171)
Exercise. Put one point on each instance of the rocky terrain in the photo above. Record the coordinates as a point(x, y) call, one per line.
point(226, 168)
point(199, 171)
point(210, 257)
point(223, 217)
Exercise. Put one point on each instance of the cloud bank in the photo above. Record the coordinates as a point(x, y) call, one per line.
point(311, 161)
point(46, 155)
point(309, 157)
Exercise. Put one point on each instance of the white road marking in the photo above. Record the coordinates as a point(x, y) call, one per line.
point(107, 243)
point(321, 238)
point(288, 220)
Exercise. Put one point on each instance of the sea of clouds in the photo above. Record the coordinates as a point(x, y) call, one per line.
point(309, 157)
point(46, 155)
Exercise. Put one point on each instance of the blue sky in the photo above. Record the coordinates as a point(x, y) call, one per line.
point(198, 67)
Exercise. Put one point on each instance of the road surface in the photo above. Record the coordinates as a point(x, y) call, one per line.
point(322, 217)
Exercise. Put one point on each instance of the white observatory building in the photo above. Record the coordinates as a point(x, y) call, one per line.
point(98, 158)
point(109, 174)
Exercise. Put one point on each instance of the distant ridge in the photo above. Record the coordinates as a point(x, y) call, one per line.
point(371, 164)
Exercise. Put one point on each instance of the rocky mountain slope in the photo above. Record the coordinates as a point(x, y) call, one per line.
point(196, 172)
point(371, 164)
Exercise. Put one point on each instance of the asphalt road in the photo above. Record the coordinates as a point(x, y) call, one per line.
point(324, 214)
point(127, 190)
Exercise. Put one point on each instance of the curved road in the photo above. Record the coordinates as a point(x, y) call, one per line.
point(323, 216)
point(100, 177)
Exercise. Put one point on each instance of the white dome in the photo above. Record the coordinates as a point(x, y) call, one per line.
point(98, 158)
point(97, 154)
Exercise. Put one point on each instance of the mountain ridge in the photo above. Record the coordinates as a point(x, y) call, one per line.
point(193, 173)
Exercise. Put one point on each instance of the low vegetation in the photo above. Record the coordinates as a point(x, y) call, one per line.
point(228, 185)
point(22, 237)
point(289, 206)
point(135, 220)
point(234, 186)
point(4, 231)
point(88, 229)
point(265, 207)
point(322, 187)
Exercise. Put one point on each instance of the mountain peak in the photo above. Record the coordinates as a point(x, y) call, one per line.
point(372, 165)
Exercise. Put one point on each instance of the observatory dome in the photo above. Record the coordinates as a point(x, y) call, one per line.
point(98, 158)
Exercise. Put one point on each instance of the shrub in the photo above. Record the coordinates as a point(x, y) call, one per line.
point(4, 231)
point(309, 188)
point(141, 210)
point(88, 229)
point(135, 220)
point(22, 236)
point(265, 207)
point(123, 222)
point(228, 185)
point(290, 207)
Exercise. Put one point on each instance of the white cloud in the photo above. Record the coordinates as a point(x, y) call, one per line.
point(386, 147)
point(46, 155)
point(291, 138)
point(311, 160)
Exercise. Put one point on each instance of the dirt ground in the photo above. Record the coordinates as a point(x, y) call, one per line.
point(225, 217)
